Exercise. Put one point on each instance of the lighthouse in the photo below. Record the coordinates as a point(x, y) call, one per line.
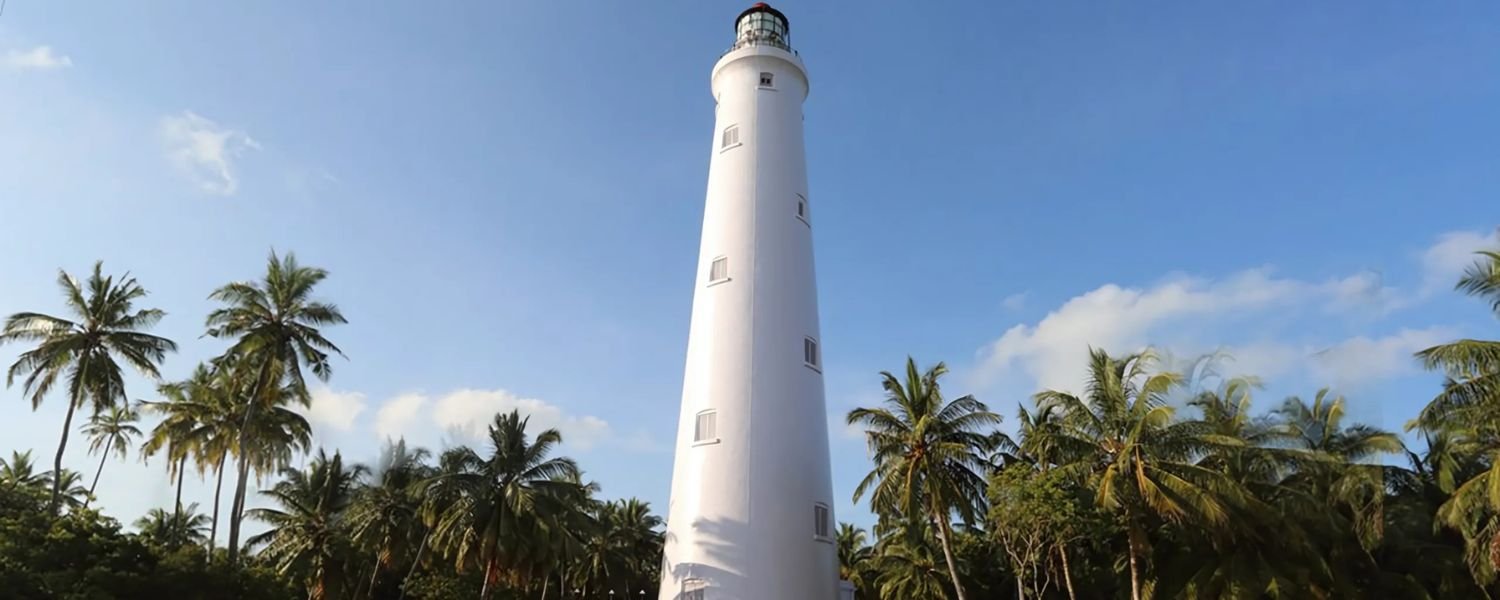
point(751, 510)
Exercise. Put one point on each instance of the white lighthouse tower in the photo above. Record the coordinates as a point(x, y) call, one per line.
point(751, 514)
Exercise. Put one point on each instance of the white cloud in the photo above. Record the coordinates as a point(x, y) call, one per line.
point(205, 151)
point(1178, 315)
point(1446, 259)
point(470, 412)
point(335, 409)
point(40, 58)
point(1014, 302)
point(398, 416)
point(1360, 360)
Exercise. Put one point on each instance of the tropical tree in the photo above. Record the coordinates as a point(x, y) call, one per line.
point(180, 431)
point(309, 533)
point(929, 455)
point(1465, 415)
point(1122, 439)
point(856, 559)
point(386, 514)
point(86, 351)
point(502, 509)
point(20, 472)
point(111, 431)
point(71, 493)
point(274, 323)
point(175, 528)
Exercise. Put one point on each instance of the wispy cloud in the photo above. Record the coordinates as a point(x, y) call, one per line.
point(1015, 302)
point(205, 151)
point(40, 58)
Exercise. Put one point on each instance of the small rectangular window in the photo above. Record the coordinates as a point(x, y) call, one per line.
point(694, 589)
point(706, 429)
point(765, 80)
point(810, 352)
point(719, 270)
point(802, 208)
point(820, 521)
point(731, 136)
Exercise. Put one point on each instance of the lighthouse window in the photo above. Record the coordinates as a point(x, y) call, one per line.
point(820, 522)
point(802, 208)
point(706, 429)
point(719, 271)
point(765, 80)
point(810, 352)
point(731, 136)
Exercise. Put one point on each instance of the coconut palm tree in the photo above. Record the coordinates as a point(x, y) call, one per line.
point(175, 528)
point(85, 352)
point(639, 537)
point(1122, 438)
point(309, 533)
point(503, 508)
point(274, 323)
point(386, 515)
point(180, 431)
point(1466, 415)
point(111, 431)
point(856, 558)
point(929, 454)
point(71, 493)
point(20, 472)
point(906, 561)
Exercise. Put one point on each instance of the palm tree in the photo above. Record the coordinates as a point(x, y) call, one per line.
point(85, 351)
point(1466, 415)
point(503, 509)
point(112, 431)
point(905, 561)
point(310, 532)
point(274, 323)
point(639, 539)
point(71, 493)
point(928, 454)
point(173, 529)
point(180, 430)
point(386, 515)
point(856, 558)
point(1121, 437)
point(20, 472)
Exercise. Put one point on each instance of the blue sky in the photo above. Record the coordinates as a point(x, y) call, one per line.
point(508, 196)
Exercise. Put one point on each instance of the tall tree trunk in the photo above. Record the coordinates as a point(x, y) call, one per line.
point(945, 532)
point(236, 509)
point(181, 465)
point(1020, 588)
point(489, 575)
point(97, 472)
point(1135, 570)
point(374, 573)
point(1067, 575)
point(415, 561)
point(213, 531)
point(61, 446)
point(546, 582)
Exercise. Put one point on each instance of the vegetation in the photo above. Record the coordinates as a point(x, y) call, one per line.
point(1148, 484)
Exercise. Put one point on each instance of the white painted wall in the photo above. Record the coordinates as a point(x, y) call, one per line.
point(742, 509)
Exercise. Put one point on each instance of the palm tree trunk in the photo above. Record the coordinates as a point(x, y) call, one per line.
point(374, 573)
point(97, 472)
point(177, 512)
point(546, 582)
point(1067, 576)
point(1135, 577)
point(415, 561)
point(236, 508)
point(63, 445)
point(946, 533)
point(213, 531)
point(489, 575)
point(1020, 588)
